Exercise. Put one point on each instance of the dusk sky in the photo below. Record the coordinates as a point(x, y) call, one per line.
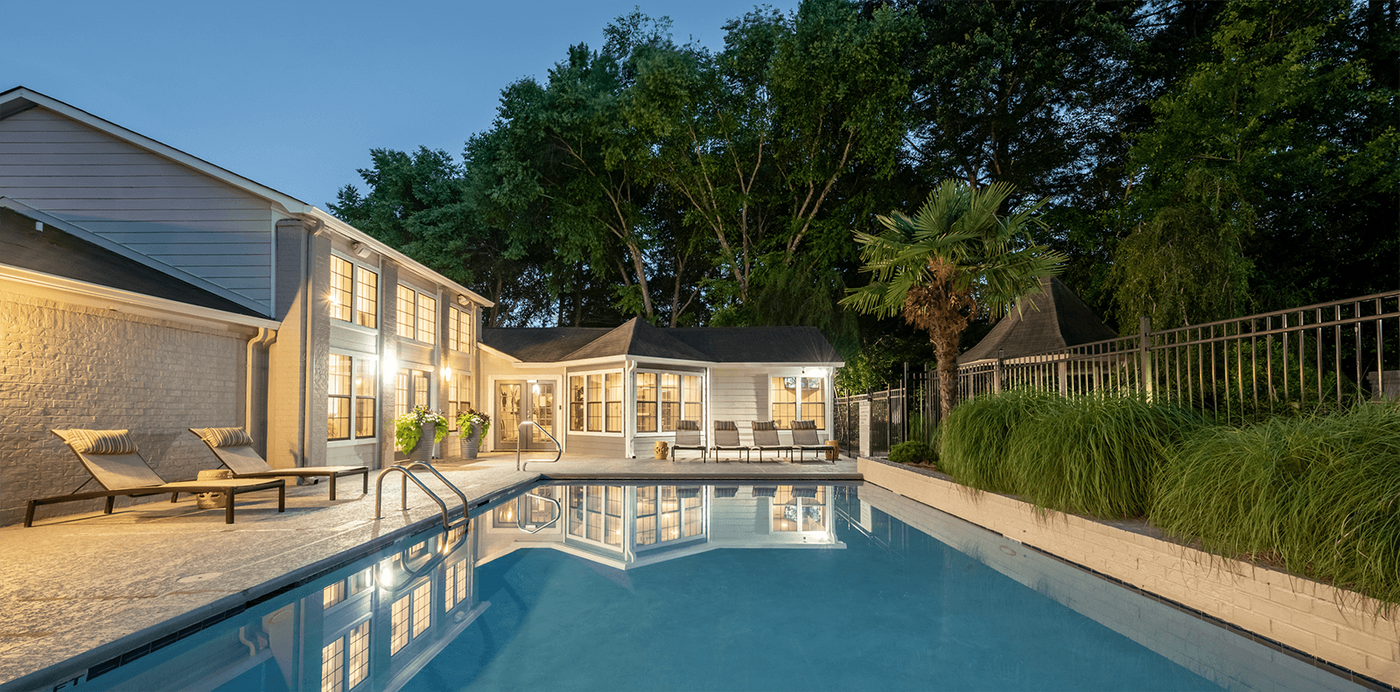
point(293, 94)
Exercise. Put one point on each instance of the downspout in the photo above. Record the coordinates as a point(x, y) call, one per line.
point(314, 227)
point(259, 344)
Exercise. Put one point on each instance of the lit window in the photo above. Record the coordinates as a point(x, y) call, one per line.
point(333, 594)
point(427, 319)
point(663, 397)
point(341, 281)
point(398, 625)
point(595, 403)
point(790, 404)
point(576, 403)
point(332, 666)
point(358, 669)
point(449, 594)
point(338, 415)
point(407, 300)
point(366, 397)
point(458, 330)
point(420, 388)
point(341, 409)
point(422, 607)
point(401, 393)
point(796, 510)
point(366, 298)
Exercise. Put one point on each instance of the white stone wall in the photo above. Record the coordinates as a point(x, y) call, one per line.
point(68, 366)
point(1333, 625)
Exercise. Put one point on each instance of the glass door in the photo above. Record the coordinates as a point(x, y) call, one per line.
point(518, 402)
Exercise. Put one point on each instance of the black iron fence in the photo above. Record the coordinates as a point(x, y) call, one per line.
point(1315, 357)
point(1310, 358)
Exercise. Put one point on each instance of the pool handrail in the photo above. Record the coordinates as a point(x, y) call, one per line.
point(407, 471)
point(520, 442)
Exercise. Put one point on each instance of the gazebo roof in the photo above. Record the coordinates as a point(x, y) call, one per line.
point(1048, 319)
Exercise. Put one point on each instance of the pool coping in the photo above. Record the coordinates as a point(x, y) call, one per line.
point(1239, 596)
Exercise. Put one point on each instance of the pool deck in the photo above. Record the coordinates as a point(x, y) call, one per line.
point(76, 590)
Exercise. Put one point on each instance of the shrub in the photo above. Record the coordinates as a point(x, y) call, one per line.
point(1095, 454)
point(1320, 495)
point(912, 452)
point(973, 437)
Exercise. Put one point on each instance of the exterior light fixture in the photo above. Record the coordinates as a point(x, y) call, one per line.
point(361, 250)
point(446, 373)
point(462, 301)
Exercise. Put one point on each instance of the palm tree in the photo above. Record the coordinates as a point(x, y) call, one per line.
point(952, 261)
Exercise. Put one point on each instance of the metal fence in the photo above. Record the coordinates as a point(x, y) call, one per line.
point(1314, 357)
point(1311, 358)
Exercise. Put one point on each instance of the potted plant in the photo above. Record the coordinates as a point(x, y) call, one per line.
point(417, 431)
point(472, 426)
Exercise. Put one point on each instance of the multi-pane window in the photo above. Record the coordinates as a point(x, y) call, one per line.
point(333, 666)
point(457, 389)
point(595, 513)
point(401, 392)
point(420, 388)
point(366, 397)
point(332, 594)
point(613, 384)
point(663, 397)
point(668, 513)
point(398, 624)
point(799, 398)
point(646, 402)
point(799, 509)
point(458, 330)
point(338, 414)
point(354, 293)
point(406, 305)
point(358, 669)
point(342, 282)
point(576, 403)
point(351, 396)
point(427, 319)
point(366, 298)
point(422, 607)
point(595, 402)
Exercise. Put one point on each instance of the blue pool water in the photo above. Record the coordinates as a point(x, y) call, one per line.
point(836, 587)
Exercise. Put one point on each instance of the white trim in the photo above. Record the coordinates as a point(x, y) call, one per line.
point(93, 295)
point(568, 403)
point(359, 264)
point(119, 249)
point(505, 356)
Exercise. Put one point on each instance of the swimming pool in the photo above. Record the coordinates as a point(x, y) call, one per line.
point(717, 586)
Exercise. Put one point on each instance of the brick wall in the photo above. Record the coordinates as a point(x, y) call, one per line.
point(1336, 626)
point(64, 365)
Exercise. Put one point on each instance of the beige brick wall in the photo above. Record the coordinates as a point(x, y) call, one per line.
point(1336, 626)
point(64, 365)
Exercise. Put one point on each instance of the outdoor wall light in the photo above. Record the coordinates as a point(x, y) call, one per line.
point(462, 301)
point(361, 250)
point(390, 366)
point(446, 373)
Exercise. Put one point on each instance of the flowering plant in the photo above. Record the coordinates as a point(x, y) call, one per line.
point(409, 427)
point(472, 416)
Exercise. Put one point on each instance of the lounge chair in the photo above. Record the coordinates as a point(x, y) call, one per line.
point(234, 448)
point(727, 437)
point(765, 436)
point(688, 437)
point(114, 462)
point(804, 437)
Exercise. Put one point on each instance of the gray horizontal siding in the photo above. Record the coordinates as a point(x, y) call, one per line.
point(352, 339)
point(139, 200)
point(592, 446)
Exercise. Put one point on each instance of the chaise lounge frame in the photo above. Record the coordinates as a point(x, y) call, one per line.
point(246, 463)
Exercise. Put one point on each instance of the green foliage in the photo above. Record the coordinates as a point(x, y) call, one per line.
point(1315, 495)
point(974, 440)
point(471, 416)
point(913, 452)
point(408, 428)
point(1096, 454)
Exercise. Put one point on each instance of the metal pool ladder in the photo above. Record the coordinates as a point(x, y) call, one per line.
point(407, 471)
point(558, 512)
point(520, 442)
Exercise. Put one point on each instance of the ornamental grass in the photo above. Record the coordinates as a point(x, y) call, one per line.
point(1317, 496)
point(972, 444)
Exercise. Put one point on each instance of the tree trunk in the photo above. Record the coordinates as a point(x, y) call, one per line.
point(947, 353)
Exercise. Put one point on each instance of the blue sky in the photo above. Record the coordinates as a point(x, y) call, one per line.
point(293, 94)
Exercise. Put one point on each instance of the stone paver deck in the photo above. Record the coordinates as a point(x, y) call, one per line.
point(79, 589)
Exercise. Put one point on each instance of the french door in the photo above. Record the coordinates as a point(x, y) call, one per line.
point(518, 401)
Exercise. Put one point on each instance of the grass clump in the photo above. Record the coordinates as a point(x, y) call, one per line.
point(973, 439)
point(912, 452)
point(1096, 454)
point(1318, 496)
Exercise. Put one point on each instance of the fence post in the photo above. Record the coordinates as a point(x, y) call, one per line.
point(904, 404)
point(1145, 377)
point(996, 373)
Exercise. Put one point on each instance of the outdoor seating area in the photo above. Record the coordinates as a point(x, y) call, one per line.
point(234, 448)
point(765, 437)
point(112, 459)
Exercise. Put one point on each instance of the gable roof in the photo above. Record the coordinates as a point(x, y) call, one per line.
point(638, 338)
point(57, 253)
point(19, 99)
point(1051, 318)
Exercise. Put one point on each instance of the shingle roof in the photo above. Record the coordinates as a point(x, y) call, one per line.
point(55, 252)
point(1041, 325)
point(638, 338)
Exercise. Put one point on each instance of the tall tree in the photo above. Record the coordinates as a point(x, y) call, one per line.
point(958, 257)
